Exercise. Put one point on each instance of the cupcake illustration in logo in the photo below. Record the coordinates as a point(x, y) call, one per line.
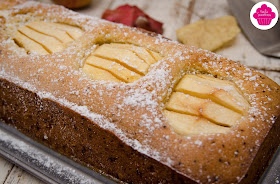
point(264, 15)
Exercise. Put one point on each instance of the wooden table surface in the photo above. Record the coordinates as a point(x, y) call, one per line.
point(174, 14)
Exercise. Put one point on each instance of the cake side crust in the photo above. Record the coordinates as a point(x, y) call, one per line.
point(79, 138)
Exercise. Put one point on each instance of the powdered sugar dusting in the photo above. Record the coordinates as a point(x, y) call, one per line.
point(84, 111)
point(147, 93)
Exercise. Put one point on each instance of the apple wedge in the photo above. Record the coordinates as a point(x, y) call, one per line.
point(223, 93)
point(52, 31)
point(72, 31)
point(51, 44)
point(99, 74)
point(219, 114)
point(187, 104)
point(123, 56)
point(114, 68)
point(46, 37)
point(155, 55)
point(204, 104)
point(184, 124)
point(235, 92)
point(28, 44)
point(141, 52)
point(180, 102)
point(126, 62)
point(216, 80)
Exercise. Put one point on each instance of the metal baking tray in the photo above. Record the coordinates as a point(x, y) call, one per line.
point(52, 167)
point(42, 162)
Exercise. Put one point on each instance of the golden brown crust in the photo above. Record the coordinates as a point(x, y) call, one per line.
point(133, 112)
point(78, 138)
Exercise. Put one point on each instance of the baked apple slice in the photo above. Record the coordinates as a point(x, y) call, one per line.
point(49, 43)
point(141, 52)
point(46, 37)
point(155, 55)
point(99, 74)
point(73, 31)
point(184, 124)
point(28, 44)
point(187, 104)
point(123, 56)
point(114, 68)
point(50, 30)
point(220, 91)
point(204, 101)
point(126, 62)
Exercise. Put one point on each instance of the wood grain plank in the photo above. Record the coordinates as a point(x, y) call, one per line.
point(17, 175)
point(5, 169)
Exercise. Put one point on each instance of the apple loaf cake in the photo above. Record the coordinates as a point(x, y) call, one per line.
point(135, 107)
